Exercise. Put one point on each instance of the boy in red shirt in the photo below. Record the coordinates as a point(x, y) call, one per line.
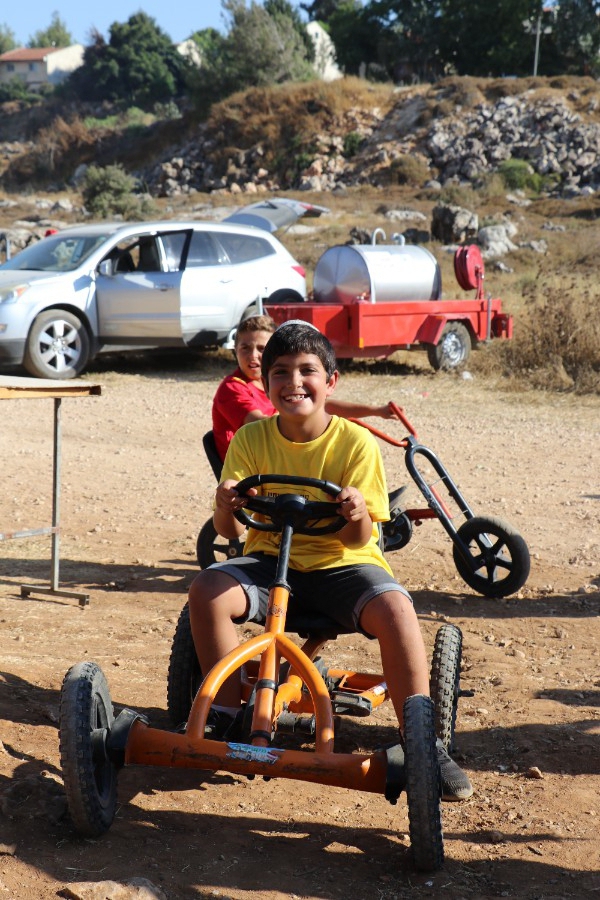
point(241, 398)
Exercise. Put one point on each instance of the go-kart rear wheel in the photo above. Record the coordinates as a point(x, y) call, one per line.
point(397, 532)
point(498, 558)
point(444, 682)
point(90, 777)
point(185, 674)
point(212, 548)
point(423, 786)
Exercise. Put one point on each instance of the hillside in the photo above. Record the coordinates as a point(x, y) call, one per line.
point(322, 136)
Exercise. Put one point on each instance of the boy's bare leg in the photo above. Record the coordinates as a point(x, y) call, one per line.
point(216, 599)
point(391, 618)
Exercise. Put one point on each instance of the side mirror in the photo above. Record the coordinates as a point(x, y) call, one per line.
point(106, 267)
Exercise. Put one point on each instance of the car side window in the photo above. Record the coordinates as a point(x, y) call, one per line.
point(244, 248)
point(174, 243)
point(149, 255)
point(203, 250)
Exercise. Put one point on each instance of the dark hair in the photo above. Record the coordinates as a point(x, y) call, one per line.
point(255, 323)
point(298, 338)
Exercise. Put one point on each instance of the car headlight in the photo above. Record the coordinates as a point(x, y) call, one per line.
point(12, 293)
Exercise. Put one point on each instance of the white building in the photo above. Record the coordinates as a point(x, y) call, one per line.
point(325, 63)
point(37, 66)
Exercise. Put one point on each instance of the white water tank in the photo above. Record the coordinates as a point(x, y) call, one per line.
point(376, 273)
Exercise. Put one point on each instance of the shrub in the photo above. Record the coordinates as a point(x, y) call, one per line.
point(110, 191)
point(410, 170)
point(519, 175)
point(352, 142)
point(556, 346)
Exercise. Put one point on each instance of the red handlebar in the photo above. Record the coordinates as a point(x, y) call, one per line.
point(399, 412)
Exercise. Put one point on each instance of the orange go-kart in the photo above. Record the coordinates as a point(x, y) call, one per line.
point(286, 688)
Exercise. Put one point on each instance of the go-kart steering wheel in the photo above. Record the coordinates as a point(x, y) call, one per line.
point(292, 509)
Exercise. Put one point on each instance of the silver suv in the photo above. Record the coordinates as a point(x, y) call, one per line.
point(157, 284)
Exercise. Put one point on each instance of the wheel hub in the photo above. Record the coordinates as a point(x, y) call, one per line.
point(453, 349)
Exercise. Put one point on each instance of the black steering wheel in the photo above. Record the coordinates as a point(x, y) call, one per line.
point(292, 509)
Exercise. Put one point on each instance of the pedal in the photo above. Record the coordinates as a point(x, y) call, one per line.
point(395, 776)
point(289, 723)
point(346, 704)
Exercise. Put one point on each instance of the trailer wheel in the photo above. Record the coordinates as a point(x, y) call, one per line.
point(453, 348)
point(494, 558)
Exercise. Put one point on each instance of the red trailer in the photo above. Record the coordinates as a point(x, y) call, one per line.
point(354, 305)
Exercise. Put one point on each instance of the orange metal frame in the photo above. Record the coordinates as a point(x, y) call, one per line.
point(366, 772)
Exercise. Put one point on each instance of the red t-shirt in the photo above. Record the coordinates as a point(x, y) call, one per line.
point(236, 396)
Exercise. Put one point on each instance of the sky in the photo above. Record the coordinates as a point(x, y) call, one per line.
point(178, 20)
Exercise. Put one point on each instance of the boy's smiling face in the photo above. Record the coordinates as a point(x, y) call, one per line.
point(298, 385)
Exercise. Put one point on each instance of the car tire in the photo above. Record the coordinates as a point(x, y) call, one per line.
point(284, 296)
point(58, 346)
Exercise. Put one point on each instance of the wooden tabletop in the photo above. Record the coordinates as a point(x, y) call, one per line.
point(17, 388)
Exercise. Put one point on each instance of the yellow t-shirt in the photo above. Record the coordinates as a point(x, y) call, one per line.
point(345, 454)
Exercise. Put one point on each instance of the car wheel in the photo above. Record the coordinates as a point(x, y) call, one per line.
point(284, 296)
point(58, 346)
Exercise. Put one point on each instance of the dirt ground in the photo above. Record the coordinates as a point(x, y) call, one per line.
point(135, 490)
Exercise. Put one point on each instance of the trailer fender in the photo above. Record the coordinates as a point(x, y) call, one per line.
point(431, 329)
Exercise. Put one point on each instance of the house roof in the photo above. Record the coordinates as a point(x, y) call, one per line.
point(28, 54)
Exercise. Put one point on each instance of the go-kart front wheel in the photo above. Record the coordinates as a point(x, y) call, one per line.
point(90, 777)
point(444, 682)
point(495, 561)
point(423, 786)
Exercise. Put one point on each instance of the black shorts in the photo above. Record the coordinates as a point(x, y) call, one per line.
point(340, 593)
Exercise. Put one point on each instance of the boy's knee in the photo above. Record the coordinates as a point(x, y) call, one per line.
point(383, 609)
point(215, 590)
point(205, 587)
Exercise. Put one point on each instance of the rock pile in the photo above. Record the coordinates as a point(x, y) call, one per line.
point(461, 146)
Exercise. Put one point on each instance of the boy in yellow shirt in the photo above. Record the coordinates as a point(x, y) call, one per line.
point(343, 575)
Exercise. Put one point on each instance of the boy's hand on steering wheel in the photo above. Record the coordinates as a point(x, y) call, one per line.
point(227, 499)
point(352, 504)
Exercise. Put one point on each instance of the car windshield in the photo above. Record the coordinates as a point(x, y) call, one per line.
point(55, 253)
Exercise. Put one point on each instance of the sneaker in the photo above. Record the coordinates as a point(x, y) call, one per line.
point(221, 726)
point(455, 782)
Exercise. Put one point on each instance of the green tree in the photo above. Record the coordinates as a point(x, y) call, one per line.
point(354, 32)
point(259, 49)
point(474, 40)
point(7, 39)
point(404, 37)
point(321, 10)
point(283, 9)
point(139, 66)
point(56, 35)
point(576, 36)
